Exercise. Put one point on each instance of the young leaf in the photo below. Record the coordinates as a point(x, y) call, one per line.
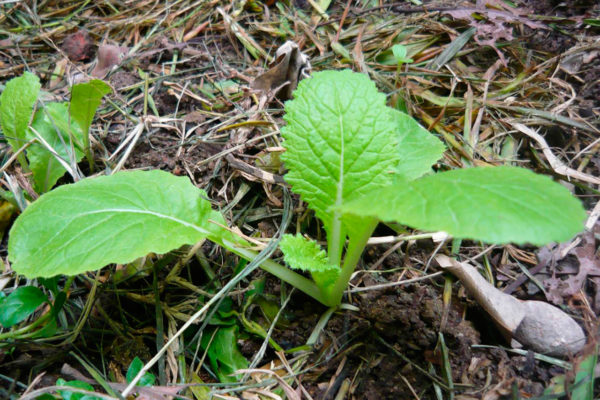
point(16, 107)
point(306, 255)
point(496, 205)
point(68, 395)
point(341, 144)
point(223, 353)
point(20, 304)
point(110, 219)
point(66, 143)
point(400, 54)
point(585, 377)
point(85, 99)
point(418, 149)
point(134, 368)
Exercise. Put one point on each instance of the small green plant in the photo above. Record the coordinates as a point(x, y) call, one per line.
point(20, 304)
point(582, 385)
point(135, 367)
point(352, 159)
point(58, 131)
point(400, 53)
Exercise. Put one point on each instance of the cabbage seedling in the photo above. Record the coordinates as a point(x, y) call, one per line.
point(355, 162)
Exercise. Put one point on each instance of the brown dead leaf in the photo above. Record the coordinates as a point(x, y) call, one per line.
point(78, 46)
point(289, 67)
point(8, 46)
point(569, 267)
point(536, 325)
point(109, 56)
point(489, 17)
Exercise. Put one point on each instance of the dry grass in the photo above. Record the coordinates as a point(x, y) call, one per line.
point(192, 112)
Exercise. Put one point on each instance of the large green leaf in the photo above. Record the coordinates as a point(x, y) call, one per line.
point(110, 219)
point(20, 304)
point(16, 107)
point(418, 149)
point(85, 99)
point(496, 205)
point(306, 255)
point(65, 139)
point(341, 144)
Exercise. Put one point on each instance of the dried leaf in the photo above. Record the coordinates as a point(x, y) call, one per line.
point(289, 67)
point(536, 325)
point(108, 57)
point(489, 18)
point(574, 264)
point(78, 46)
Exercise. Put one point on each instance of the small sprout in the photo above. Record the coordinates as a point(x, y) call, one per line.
point(400, 51)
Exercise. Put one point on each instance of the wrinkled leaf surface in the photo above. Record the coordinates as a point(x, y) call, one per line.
point(306, 255)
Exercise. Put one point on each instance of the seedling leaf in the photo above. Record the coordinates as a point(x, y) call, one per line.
point(400, 54)
point(306, 255)
point(341, 144)
point(20, 304)
point(418, 149)
point(111, 219)
point(134, 368)
point(66, 143)
point(496, 205)
point(16, 107)
point(68, 395)
point(85, 99)
point(224, 356)
point(584, 379)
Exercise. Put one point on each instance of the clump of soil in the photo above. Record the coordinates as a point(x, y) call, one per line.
point(392, 346)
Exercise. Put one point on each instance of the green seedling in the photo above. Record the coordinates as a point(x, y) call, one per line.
point(400, 53)
point(20, 304)
point(582, 386)
point(356, 162)
point(58, 132)
point(352, 159)
point(135, 367)
point(75, 395)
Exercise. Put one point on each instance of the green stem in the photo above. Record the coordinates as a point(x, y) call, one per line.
point(335, 241)
point(283, 273)
point(18, 333)
point(314, 336)
point(89, 155)
point(356, 246)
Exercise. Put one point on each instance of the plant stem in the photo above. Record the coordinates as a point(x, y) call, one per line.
point(280, 271)
point(19, 333)
point(356, 246)
point(314, 336)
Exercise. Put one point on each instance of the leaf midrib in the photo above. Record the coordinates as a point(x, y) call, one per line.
point(123, 211)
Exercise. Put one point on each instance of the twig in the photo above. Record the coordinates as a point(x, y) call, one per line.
point(558, 166)
point(392, 284)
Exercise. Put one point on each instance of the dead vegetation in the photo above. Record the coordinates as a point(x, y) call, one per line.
point(499, 85)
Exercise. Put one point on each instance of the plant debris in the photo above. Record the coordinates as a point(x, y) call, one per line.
point(109, 56)
point(536, 325)
point(78, 46)
point(288, 68)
